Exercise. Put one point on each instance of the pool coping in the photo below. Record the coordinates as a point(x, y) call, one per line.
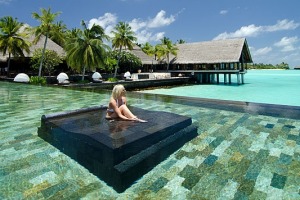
point(274, 110)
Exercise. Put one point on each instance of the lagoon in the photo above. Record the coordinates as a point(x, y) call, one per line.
point(261, 86)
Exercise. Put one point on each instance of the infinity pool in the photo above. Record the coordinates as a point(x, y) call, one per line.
point(237, 155)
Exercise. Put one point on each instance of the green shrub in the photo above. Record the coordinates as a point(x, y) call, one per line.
point(38, 80)
point(83, 81)
point(112, 79)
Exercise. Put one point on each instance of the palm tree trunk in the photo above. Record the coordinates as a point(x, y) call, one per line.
point(83, 73)
point(119, 56)
point(43, 54)
point(8, 64)
point(168, 62)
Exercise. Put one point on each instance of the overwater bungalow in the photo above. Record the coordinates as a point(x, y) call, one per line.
point(206, 61)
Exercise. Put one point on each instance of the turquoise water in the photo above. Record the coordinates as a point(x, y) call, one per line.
point(261, 86)
point(236, 155)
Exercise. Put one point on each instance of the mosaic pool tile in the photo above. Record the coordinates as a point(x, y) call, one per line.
point(275, 193)
point(278, 181)
point(158, 184)
point(285, 159)
point(210, 160)
point(235, 156)
point(176, 189)
point(269, 125)
point(229, 190)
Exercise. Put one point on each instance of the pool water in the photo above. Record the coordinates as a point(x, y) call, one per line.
point(236, 155)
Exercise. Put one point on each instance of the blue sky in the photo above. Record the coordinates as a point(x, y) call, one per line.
point(271, 27)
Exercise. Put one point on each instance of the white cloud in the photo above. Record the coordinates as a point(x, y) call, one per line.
point(107, 22)
point(253, 30)
point(160, 20)
point(142, 28)
point(5, 1)
point(287, 43)
point(223, 12)
point(262, 51)
point(146, 36)
point(282, 25)
point(137, 24)
point(286, 50)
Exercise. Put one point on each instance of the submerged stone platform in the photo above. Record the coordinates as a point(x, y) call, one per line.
point(118, 152)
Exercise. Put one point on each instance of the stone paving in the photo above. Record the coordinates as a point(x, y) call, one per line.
point(235, 156)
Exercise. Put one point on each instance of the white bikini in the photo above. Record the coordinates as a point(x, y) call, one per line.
point(112, 110)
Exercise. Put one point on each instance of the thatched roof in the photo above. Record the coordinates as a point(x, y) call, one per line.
point(146, 60)
point(40, 44)
point(210, 52)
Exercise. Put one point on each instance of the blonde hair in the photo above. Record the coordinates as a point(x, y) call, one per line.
point(117, 91)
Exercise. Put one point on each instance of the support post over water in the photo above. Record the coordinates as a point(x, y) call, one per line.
point(242, 78)
point(238, 79)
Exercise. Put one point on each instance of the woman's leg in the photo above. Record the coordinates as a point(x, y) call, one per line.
point(126, 112)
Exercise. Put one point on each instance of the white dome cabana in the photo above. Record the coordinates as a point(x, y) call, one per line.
point(127, 75)
point(97, 77)
point(63, 78)
point(22, 78)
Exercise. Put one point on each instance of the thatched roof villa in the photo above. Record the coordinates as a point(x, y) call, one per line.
point(204, 55)
point(205, 59)
point(23, 64)
point(213, 52)
point(146, 60)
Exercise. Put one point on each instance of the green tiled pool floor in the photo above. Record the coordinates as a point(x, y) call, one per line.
point(235, 156)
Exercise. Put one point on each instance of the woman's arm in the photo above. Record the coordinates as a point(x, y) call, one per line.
point(113, 105)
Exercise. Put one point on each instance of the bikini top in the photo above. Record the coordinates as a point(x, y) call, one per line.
point(118, 102)
point(112, 110)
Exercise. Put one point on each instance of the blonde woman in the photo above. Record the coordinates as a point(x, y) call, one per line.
point(117, 107)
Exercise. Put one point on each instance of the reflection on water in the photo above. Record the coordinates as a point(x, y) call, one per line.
point(116, 132)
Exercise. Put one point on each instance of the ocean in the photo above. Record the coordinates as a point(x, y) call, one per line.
point(261, 86)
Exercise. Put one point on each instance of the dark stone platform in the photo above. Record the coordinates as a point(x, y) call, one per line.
point(118, 152)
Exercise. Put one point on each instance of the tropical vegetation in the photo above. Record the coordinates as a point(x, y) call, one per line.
point(46, 29)
point(50, 60)
point(162, 51)
point(37, 80)
point(85, 48)
point(282, 65)
point(123, 37)
point(13, 40)
point(127, 60)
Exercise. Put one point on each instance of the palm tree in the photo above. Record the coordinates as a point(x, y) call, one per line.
point(123, 37)
point(46, 28)
point(148, 49)
point(165, 41)
point(58, 34)
point(12, 38)
point(164, 50)
point(181, 41)
point(85, 48)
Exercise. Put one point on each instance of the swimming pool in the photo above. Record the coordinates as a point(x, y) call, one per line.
point(236, 154)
